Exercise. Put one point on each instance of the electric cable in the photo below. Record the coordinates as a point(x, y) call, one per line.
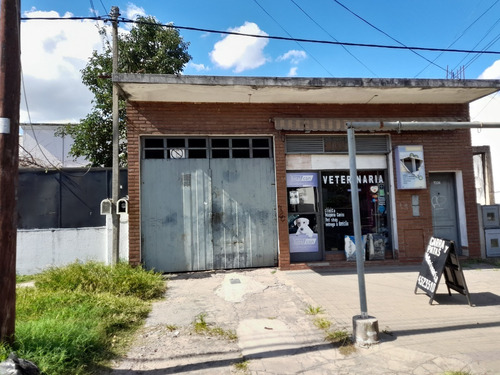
point(304, 40)
point(331, 36)
point(460, 36)
point(386, 34)
point(282, 28)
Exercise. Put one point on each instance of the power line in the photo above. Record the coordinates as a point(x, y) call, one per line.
point(315, 41)
point(460, 36)
point(282, 28)
point(383, 32)
point(331, 36)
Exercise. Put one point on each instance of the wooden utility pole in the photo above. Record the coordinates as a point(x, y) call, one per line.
point(10, 94)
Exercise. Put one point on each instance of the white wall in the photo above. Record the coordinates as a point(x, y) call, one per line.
point(38, 249)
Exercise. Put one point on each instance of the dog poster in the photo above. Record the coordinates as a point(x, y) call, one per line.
point(303, 234)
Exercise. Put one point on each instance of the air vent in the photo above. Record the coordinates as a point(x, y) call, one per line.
point(372, 144)
point(305, 145)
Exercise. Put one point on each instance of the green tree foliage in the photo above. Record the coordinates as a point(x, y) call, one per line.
point(149, 47)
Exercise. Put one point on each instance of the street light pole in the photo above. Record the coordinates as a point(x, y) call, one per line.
point(365, 327)
point(115, 178)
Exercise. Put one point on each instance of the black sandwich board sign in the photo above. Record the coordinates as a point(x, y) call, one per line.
point(440, 257)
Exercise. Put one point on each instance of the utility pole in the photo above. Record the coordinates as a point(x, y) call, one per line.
point(115, 178)
point(10, 96)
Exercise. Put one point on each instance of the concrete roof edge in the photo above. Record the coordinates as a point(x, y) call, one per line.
point(302, 81)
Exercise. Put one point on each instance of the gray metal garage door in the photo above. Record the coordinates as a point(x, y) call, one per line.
point(208, 203)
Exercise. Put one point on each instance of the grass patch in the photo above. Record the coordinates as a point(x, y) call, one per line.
point(79, 316)
point(24, 278)
point(322, 323)
point(242, 366)
point(457, 373)
point(314, 310)
point(338, 338)
point(341, 340)
point(201, 327)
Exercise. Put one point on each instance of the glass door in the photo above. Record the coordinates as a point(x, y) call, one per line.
point(303, 216)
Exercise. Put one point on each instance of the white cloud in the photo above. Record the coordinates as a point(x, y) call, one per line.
point(293, 72)
point(492, 72)
point(52, 56)
point(133, 11)
point(239, 52)
point(197, 67)
point(294, 56)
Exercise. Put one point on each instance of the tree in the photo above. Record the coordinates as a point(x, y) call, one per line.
point(149, 47)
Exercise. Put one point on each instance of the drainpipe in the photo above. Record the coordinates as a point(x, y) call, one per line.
point(420, 125)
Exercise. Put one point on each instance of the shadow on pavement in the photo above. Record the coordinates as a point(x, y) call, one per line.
point(214, 364)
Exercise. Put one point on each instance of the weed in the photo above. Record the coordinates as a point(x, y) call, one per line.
point(172, 327)
point(457, 373)
point(342, 341)
point(242, 366)
point(200, 324)
point(202, 327)
point(314, 310)
point(322, 323)
point(338, 338)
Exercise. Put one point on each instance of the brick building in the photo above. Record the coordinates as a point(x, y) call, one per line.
point(235, 172)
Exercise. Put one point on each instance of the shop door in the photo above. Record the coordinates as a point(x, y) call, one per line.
point(200, 214)
point(443, 203)
point(303, 217)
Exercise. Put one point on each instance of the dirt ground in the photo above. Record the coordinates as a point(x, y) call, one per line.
point(266, 312)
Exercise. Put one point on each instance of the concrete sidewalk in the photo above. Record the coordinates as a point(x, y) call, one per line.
point(267, 308)
point(416, 337)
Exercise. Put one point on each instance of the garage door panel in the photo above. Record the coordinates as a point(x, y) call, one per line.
point(204, 214)
point(244, 201)
point(175, 206)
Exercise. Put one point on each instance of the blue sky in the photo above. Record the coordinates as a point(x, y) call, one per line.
point(54, 52)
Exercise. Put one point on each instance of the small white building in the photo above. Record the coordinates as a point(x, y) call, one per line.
point(40, 147)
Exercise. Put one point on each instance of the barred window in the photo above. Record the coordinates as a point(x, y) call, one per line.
point(206, 148)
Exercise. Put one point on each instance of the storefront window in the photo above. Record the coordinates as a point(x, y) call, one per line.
point(337, 211)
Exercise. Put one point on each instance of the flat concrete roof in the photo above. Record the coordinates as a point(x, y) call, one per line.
point(236, 89)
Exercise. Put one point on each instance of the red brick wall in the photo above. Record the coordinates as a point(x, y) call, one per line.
point(443, 151)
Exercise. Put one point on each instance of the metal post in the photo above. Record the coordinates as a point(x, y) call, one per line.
point(10, 96)
point(115, 178)
point(360, 254)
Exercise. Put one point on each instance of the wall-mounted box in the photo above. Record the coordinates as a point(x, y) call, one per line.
point(106, 206)
point(491, 218)
point(122, 206)
point(410, 167)
point(492, 240)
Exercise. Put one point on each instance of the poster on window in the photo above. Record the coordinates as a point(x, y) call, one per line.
point(410, 167)
point(303, 233)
